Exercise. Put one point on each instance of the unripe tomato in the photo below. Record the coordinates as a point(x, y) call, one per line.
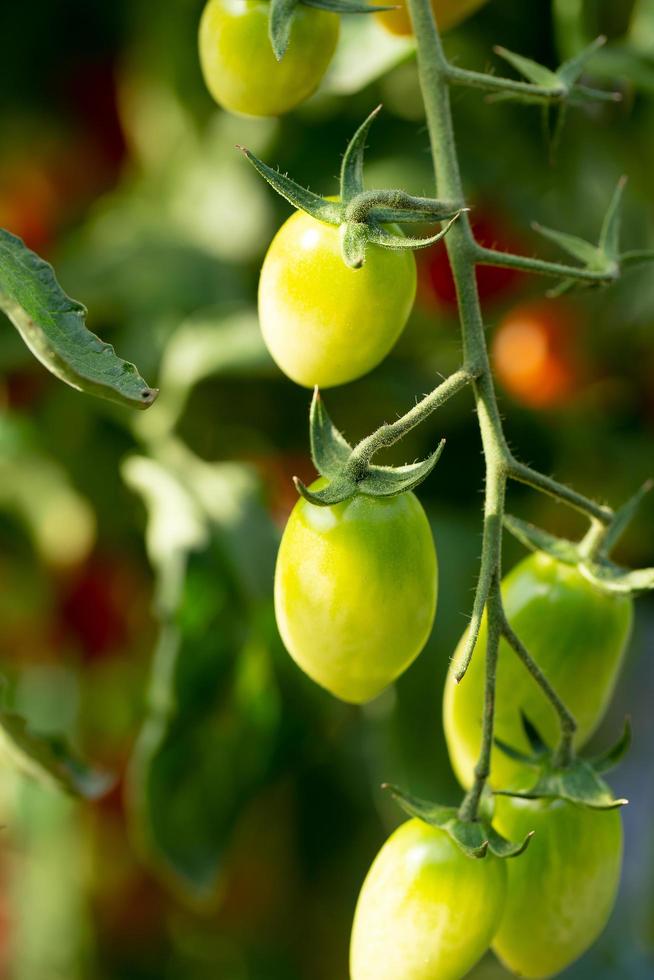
point(324, 323)
point(562, 889)
point(533, 354)
point(577, 635)
point(426, 911)
point(238, 63)
point(355, 591)
point(448, 14)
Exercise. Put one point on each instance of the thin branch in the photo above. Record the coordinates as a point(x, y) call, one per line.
point(554, 270)
point(497, 83)
point(525, 474)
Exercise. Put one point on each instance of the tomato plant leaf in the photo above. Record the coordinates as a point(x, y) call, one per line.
point(330, 451)
point(53, 327)
point(539, 540)
point(50, 760)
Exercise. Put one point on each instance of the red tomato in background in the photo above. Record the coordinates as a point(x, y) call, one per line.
point(436, 283)
point(534, 353)
point(100, 607)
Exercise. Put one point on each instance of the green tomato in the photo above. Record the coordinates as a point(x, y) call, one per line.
point(355, 591)
point(324, 323)
point(426, 911)
point(576, 633)
point(238, 63)
point(562, 889)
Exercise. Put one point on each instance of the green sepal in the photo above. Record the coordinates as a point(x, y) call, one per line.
point(531, 70)
point(624, 516)
point(50, 760)
point(536, 539)
point(379, 236)
point(616, 580)
point(352, 165)
point(609, 243)
point(341, 488)
point(475, 838)
point(53, 327)
point(571, 71)
point(280, 22)
point(330, 451)
point(614, 756)
point(578, 781)
point(331, 212)
point(591, 256)
point(388, 481)
point(354, 239)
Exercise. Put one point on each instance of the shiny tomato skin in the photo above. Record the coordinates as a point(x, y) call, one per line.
point(426, 911)
point(562, 889)
point(355, 591)
point(324, 323)
point(238, 63)
point(576, 634)
point(448, 14)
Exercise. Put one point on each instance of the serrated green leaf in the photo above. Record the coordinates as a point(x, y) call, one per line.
point(387, 481)
point(352, 166)
point(330, 451)
point(609, 242)
point(53, 327)
point(280, 21)
point(318, 207)
point(531, 70)
point(570, 71)
point(587, 253)
point(50, 760)
point(539, 540)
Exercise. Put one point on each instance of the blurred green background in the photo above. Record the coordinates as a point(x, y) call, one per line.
point(136, 553)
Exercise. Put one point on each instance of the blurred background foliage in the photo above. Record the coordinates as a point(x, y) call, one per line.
point(136, 553)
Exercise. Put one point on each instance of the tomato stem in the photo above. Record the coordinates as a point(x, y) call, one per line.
point(556, 270)
point(464, 254)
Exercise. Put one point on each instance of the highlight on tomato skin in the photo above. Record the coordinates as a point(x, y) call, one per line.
point(534, 353)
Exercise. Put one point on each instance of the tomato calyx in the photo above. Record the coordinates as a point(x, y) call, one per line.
point(348, 472)
point(363, 216)
point(282, 12)
point(476, 838)
point(577, 781)
point(591, 555)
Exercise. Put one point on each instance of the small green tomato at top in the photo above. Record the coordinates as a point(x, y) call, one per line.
point(325, 323)
point(355, 591)
point(238, 63)
point(562, 889)
point(426, 911)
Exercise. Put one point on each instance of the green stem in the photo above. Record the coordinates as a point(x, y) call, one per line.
point(387, 435)
point(555, 270)
point(567, 720)
point(524, 474)
point(461, 247)
point(496, 83)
